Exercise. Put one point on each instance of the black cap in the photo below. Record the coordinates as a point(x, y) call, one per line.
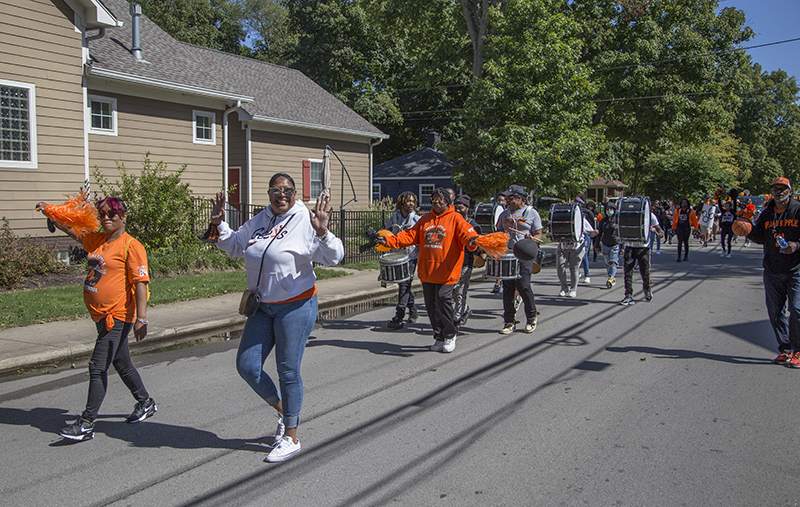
point(463, 199)
point(513, 190)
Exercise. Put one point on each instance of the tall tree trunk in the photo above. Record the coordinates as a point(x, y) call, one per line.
point(476, 15)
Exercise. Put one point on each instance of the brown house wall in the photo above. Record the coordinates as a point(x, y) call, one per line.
point(273, 152)
point(163, 129)
point(39, 46)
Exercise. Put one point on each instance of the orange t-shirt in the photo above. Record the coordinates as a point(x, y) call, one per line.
point(107, 291)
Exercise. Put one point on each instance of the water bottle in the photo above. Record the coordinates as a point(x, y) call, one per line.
point(781, 241)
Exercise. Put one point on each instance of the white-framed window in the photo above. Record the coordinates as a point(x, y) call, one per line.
point(17, 124)
point(204, 127)
point(376, 192)
point(425, 191)
point(102, 115)
point(315, 178)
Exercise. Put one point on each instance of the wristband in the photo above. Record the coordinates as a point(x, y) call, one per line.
point(142, 321)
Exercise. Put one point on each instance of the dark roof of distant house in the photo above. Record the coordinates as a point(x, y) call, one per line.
point(422, 163)
point(602, 182)
point(269, 92)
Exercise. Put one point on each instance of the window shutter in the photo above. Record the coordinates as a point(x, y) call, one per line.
point(306, 180)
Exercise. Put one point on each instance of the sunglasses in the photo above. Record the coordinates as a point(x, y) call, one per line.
point(276, 192)
point(110, 214)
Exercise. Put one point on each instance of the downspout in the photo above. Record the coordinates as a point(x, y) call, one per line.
point(225, 140)
point(372, 144)
point(249, 152)
point(85, 98)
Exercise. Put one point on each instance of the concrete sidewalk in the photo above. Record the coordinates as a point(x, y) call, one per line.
point(170, 324)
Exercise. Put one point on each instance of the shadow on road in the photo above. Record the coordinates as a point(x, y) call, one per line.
point(690, 354)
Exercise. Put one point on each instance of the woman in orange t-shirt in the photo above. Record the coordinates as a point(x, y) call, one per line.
point(115, 293)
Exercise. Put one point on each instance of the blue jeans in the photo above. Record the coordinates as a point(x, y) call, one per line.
point(778, 288)
point(611, 253)
point(655, 240)
point(587, 240)
point(286, 327)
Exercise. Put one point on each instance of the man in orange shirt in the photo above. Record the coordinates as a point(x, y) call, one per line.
point(442, 234)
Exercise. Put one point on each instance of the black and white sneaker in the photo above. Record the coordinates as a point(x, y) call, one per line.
point(628, 300)
point(648, 295)
point(80, 430)
point(142, 411)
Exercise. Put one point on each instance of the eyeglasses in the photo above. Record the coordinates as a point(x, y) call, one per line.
point(780, 188)
point(276, 192)
point(436, 200)
point(110, 214)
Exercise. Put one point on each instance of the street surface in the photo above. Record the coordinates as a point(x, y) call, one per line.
point(672, 402)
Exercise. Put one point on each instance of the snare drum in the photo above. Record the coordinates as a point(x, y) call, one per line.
point(395, 267)
point(566, 223)
point(633, 220)
point(504, 268)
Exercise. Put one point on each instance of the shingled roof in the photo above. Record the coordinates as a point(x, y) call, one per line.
point(270, 93)
point(424, 163)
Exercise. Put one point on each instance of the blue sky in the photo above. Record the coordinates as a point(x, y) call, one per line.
point(772, 21)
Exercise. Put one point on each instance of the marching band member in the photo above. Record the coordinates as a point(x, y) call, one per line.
point(570, 255)
point(642, 255)
point(520, 222)
point(441, 235)
point(404, 218)
point(462, 311)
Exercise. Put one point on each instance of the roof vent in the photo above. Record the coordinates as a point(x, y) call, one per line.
point(136, 12)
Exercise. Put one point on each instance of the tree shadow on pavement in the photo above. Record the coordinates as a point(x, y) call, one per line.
point(690, 354)
point(380, 348)
point(145, 434)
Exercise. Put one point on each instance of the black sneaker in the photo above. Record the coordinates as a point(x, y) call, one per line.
point(142, 411)
point(496, 289)
point(80, 430)
point(412, 315)
point(648, 295)
point(628, 300)
point(395, 323)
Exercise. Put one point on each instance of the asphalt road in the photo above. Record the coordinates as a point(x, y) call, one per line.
point(672, 402)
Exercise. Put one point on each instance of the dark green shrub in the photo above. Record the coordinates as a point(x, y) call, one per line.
point(22, 257)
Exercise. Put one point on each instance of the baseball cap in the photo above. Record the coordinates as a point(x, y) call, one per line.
point(781, 181)
point(513, 190)
point(463, 199)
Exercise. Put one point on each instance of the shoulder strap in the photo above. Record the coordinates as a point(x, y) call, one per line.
point(261, 266)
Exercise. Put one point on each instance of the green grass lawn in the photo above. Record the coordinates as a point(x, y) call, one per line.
point(34, 306)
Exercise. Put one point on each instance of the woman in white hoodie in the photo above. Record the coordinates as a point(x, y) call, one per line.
point(279, 245)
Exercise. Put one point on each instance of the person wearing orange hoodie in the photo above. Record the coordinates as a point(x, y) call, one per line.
point(683, 221)
point(442, 234)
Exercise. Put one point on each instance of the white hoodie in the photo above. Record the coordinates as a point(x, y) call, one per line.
point(292, 245)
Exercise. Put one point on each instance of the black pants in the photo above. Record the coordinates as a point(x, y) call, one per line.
point(726, 233)
point(405, 296)
point(460, 293)
point(521, 284)
point(683, 239)
point(111, 348)
point(439, 305)
point(632, 256)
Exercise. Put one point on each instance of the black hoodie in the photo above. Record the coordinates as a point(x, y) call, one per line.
point(767, 227)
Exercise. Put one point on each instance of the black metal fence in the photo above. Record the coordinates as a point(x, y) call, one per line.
point(347, 225)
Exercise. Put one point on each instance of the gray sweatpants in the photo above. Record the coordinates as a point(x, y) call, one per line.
point(569, 260)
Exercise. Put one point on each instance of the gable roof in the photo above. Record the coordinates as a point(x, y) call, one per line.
point(270, 93)
point(424, 162)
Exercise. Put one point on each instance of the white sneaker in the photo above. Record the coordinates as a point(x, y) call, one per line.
point(437, 346)
point(572, 294)
point(280, 430)
point(722, 254)
point(508, 328)
point(530, 326)
point(449, 345)
point(658, 252)
point(283, 450)
point(587, 280)
point(728, 256)
point(562, 294)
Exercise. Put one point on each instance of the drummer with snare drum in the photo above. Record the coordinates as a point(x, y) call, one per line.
point(520, 221)
point(570, 252)
point(404, 218)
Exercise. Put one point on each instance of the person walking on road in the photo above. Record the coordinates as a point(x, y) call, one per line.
point(683, 221)
point(639, 254)
point(706, 219)
point(726, 218)
point(588, 211)
point(279, 246)
point(569, 256)
point(778, 231)
point(404, 218)
point(115, 293)
point(441, 235)
point(461, 310)
point(520, 221)
point(609, 243)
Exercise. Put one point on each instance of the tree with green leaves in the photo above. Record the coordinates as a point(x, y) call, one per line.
point(684, 172)
point(528, 118)
point(266, 23)
point(669, 73)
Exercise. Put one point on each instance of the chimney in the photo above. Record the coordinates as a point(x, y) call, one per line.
point(136, 12)
point(434, 138)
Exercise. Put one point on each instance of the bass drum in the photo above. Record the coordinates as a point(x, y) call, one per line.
point(484, 216)
point(566, 223)
point(633, 220)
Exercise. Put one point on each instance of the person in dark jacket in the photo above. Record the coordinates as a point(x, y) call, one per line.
point(609, 243)
point(462, 205)
point(778, 229)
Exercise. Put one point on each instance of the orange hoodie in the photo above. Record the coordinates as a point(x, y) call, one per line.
point(693, 223)
point(441, 240)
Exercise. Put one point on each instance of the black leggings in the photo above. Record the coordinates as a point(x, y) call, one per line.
point(683, 239)
point(111, 348)
point(729, 234)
